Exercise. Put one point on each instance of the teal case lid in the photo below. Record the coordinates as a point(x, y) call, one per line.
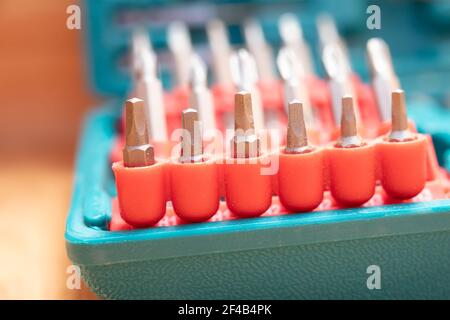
point(109, 23)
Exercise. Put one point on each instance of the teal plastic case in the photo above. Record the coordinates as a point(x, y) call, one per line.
point(320, 255)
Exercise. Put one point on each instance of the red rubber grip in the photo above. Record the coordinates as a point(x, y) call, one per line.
point(195, 190)
point(142, 193)
point(271, 94)
point(301, 180)
point(403, 167)
point(248, 193)
point(180, 96)
point(223, 97)
point(352, 174)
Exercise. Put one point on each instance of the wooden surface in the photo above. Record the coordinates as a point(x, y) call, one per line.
point(44, 96)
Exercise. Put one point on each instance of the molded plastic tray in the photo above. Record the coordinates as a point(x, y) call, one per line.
point(313, 255)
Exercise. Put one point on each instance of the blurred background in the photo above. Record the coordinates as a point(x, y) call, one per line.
point(43, 98)
point(45, 92)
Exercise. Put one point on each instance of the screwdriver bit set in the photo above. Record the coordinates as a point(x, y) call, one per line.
point(230, 156)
